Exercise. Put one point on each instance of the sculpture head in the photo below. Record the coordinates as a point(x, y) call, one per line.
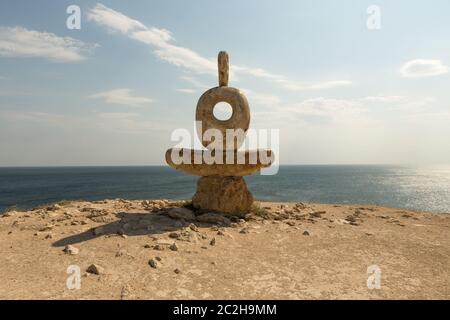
point(212, 128)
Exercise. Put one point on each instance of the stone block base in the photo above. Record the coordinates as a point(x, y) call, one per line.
point(223, 194)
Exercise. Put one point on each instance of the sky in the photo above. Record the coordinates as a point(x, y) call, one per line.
point(342, 83)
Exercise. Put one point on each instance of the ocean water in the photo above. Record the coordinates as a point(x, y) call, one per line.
point(425, 189)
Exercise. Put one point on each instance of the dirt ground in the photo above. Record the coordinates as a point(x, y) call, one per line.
point(280, 251)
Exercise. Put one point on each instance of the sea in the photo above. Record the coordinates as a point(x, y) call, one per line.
point(423, 189)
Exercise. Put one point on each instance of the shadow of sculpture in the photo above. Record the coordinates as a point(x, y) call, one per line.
point(138, 224)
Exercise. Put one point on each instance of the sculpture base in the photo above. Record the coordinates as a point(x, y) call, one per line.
point(223, 194)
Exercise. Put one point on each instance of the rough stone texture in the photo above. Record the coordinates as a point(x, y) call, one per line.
point(223, 66)
point(253, 161)
point(223, 194)
point(221, 187)
point(181, 213)
point(240, 118)
point(215, 218)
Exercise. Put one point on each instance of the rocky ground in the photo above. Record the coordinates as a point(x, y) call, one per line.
point(163, 250)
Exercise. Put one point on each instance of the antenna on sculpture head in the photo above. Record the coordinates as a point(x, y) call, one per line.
point(222, 63)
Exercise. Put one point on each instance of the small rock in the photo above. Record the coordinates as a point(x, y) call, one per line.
point(53, 207)
point(95, 269)
point(193, 227)
point(147, 246)
point(158, 247)
point(49, 236)
point(153, 263)
point(46, 228)
point(158, 258)
point(188, 236)
point(173, 247)
point(212, 242)
point(177, 271)
point(316, 214)
point(213, 217)
point(290, 223)
point(174, 235)
point(244, 230)
point(305, 233)
point(181, 213)
point(119, 253)
point(69, 249)
point(300, 205)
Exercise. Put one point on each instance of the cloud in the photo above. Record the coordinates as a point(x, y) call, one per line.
point(254, 97)
point(122, 96)
point(21, 42)
point(114, 20)
point(161, 42)
point(325, 107)
point(196, 83)
point(420, 68)
point(261, 98)
point(386, 99)
point(187, 90)
point(290, 84)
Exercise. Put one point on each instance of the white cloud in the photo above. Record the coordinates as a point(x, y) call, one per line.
point(254, 97)
point(21, 42)
point(290, 84)
point(325, 107)
point(386, 99)
point(196, 83)
point(161, 41)
point(298, 86)
point(122, 96)
point(261, 98)
point(187, 90)
point(420, 68)
point(105, 121)
point(114, 20)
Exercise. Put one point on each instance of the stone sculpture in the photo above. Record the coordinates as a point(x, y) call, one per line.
point(221, 187)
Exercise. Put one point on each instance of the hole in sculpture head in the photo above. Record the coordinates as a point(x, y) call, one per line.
point(222, 111)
